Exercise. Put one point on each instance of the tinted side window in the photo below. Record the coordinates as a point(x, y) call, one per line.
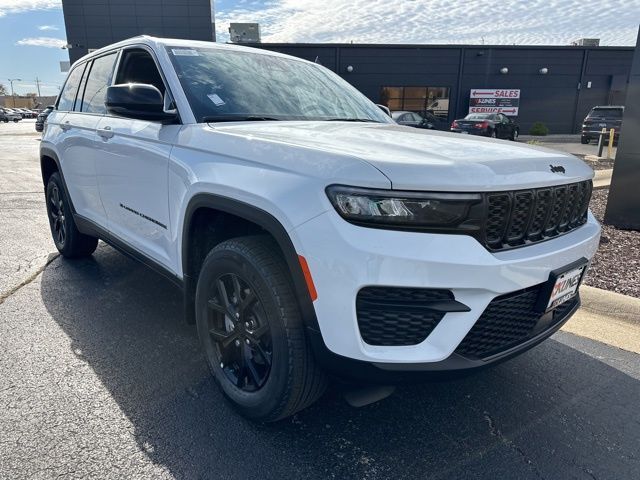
point(68, 94)
point(97, 83)
point(83, 83)
point(138, 66)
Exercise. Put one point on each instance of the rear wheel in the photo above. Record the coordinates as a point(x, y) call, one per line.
point(584, 140)
point(69, 241)
point(251, 331)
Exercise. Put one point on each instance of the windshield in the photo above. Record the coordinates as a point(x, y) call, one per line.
point(606, 112)
point(236, 85)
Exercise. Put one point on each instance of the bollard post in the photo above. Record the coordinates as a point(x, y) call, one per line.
point(610, 149)
point(603, 132)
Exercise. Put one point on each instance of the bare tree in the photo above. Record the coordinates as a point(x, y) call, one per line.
point(3, 89)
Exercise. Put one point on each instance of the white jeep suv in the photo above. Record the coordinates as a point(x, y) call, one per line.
point(311, 235)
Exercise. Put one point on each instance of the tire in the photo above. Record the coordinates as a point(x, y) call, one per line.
point(261, 361)
point(514, 135)
point(584, 140)
point(68, 240)
point(15, 120)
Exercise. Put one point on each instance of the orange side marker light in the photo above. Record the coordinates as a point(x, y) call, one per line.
point(307, 278)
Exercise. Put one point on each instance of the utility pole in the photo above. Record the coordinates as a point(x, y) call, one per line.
point(11, 80)
point(38, 86)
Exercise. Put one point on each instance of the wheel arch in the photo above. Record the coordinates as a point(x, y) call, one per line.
point(262, 219)
point(49, 163)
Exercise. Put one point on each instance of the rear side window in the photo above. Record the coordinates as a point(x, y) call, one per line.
point(68, 94)
point(98, 81)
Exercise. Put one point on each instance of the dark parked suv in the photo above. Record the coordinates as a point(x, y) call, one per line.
point(609, 116)
point(42, 117)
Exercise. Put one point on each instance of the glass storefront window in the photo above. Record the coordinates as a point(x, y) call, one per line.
point(417, 99)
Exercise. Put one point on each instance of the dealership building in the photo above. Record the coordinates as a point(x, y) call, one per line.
point(555, 85)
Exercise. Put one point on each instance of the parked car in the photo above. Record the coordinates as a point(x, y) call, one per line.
point(7, 115)
point(608, 116)
point(495, 125)
point(42, 117)
point(310, 235)
point(420, 120)
point(24, 112)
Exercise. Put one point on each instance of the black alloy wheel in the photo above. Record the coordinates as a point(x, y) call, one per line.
point(240, 330)
point(56, 216)
point(251, 330)
point(68, 239)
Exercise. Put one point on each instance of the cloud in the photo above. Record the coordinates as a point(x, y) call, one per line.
point(47, 42)
point(535, 22)
point(19, 6)
point(48, 27)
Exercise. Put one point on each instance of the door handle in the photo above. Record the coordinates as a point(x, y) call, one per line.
point(65, 126)
point(105, 132)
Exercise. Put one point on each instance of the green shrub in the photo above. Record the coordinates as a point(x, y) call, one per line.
point(539, 129)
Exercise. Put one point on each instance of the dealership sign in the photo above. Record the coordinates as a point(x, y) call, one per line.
point(494, 100)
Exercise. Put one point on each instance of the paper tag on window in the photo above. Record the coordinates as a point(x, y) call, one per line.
point(185, 52)
point(218, 102)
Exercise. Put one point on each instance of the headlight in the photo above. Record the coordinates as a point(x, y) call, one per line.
point(410, 210)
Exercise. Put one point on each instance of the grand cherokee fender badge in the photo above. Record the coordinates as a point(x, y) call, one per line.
point(142, 215)
point(557, 169)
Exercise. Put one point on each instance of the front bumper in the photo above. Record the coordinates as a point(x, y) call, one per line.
point(344, 258)
point(595, 134)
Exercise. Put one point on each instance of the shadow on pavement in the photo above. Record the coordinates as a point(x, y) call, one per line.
point(552, 413)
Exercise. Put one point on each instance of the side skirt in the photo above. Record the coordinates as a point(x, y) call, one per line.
point(89, 227)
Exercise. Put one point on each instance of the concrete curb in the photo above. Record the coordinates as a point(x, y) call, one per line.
point(611, 304)
point(602, 178)
point(607, 317)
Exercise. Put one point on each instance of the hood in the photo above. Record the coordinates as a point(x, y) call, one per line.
point(416, 159)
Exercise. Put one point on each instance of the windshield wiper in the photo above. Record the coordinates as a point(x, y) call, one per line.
point(236, 118)
point(350, 120)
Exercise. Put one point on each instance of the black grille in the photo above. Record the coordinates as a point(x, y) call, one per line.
point(526, 216)
point(394, 316)
point(508, 321)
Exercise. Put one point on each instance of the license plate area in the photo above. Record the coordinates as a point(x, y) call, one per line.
point(562, 286)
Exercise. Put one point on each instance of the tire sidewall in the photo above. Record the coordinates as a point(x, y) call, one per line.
point(267, 399)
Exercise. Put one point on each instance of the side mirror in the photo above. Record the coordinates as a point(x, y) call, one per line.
point(384, 108)
point(139, 101)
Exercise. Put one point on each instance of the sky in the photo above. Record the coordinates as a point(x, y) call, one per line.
point(32, 31)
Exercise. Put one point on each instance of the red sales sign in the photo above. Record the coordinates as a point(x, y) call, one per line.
point(494, 100)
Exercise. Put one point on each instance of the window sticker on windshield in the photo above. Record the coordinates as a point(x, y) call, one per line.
point(218, 102)
point(185, 52)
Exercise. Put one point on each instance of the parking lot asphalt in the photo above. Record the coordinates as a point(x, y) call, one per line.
point(101, 378)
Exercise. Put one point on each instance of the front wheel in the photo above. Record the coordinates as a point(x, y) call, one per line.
point(69, 241)
point(250, 328)
point(584, 140)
